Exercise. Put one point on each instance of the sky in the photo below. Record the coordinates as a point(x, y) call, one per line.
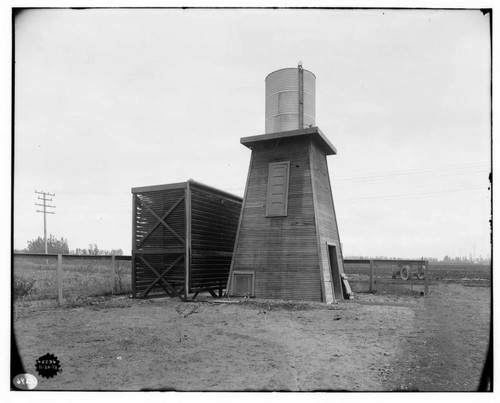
point(111, 99)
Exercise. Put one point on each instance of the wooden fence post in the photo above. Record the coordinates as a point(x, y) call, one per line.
point(426, 278)
point(371, 275)
point(113, 278)
point(59, 280)
point(411, 277)
point(134, 243)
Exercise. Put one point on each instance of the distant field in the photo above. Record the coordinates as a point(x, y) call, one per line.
point(437, 271)
point(359, 277)
point(442, 271)
point(81, 277)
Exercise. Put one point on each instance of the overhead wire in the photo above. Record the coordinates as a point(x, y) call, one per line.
point(414, 195)
point(411, 178)
point(419, 173)
point(476, 177)
point(410, 172)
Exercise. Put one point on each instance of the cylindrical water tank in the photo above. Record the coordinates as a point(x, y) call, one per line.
point(283, 100)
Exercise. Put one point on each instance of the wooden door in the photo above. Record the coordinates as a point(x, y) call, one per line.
point(335, 271)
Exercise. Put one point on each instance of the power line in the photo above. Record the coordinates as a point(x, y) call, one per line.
point(465, 168)
point(413, 195)
point(468, 177)
point(45, 212)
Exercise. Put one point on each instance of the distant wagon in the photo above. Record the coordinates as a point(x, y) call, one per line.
point(406, 272)
point(182, 239)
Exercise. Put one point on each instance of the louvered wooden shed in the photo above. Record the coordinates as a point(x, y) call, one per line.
point(288, 244)
point(182, 239)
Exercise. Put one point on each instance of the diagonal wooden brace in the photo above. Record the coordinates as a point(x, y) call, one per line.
point(165, 288)
point(146, 291)
point(163, 282)
point(166, 225)
point(160, 220)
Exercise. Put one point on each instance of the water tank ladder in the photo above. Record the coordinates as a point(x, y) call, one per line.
point(301, 96)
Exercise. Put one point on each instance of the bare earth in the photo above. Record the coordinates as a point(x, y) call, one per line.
point(378, 342)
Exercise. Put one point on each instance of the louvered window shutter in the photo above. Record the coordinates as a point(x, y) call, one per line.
point(277, 189)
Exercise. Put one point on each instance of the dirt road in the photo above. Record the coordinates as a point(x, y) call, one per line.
point(452, 329)
point(374, 343)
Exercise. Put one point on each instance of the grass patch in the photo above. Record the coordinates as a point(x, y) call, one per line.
point(82, 277)
point(22, 287)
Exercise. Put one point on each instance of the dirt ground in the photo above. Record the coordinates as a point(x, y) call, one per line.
point(377, 342)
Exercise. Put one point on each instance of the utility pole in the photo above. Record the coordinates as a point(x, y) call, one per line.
point(45, 212)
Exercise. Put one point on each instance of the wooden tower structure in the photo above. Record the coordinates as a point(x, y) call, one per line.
point(287, 244)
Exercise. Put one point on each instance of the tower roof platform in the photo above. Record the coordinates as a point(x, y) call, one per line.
point(313, 132)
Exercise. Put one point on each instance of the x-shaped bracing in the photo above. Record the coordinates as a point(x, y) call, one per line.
point(167, 287)
point(161, 220)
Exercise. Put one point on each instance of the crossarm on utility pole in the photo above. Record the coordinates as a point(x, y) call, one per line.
point(45, 212)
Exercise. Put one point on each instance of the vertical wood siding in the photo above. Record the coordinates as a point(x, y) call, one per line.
point(327, 222)
point(281, 250)
point(214, 221)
